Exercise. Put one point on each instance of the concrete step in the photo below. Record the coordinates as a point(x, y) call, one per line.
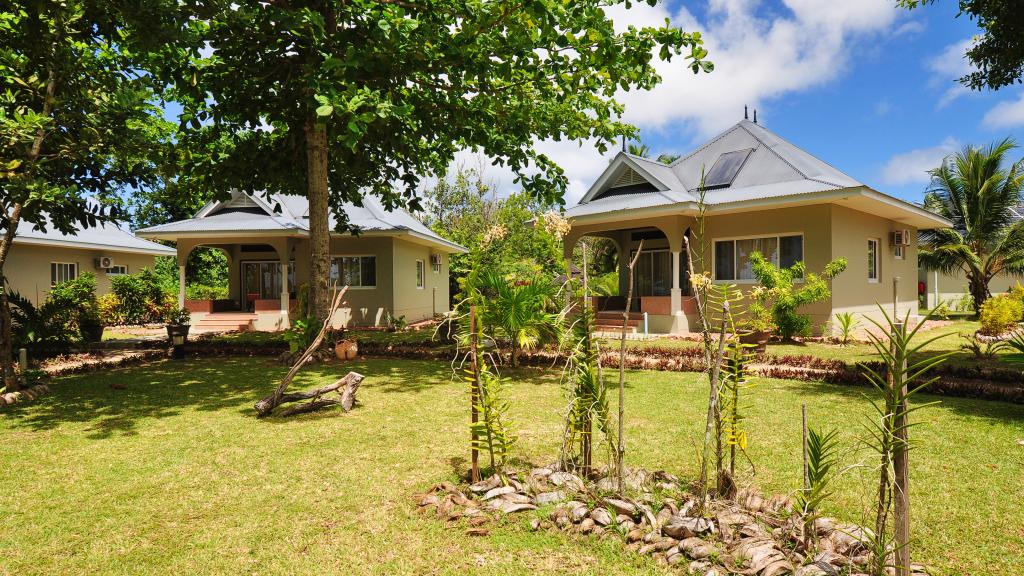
point(616, 328)
point(617, 315)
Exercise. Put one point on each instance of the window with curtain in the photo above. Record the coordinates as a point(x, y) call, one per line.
point(354, 271)
point(732, 257)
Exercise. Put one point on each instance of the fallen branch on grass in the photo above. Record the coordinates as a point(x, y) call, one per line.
point(346, 388)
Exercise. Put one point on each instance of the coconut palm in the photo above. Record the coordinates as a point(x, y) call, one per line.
point(977, 191)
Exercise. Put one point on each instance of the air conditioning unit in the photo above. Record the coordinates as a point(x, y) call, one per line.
point(104, 263)
point(901, 238)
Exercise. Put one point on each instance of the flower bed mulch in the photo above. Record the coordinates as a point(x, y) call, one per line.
point(656, 515)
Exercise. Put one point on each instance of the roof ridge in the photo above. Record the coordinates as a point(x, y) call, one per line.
point(790, 164)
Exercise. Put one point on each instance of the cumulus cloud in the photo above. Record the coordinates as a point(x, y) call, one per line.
point(1006, 114)
point(947, 68)
point(912, 167)
point(761, 55)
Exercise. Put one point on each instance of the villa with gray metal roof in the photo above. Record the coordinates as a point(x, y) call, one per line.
point(40, 259)
point(759, 193)
point(395, 267)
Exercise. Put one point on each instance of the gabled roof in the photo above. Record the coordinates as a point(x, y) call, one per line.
point(288, 215)
point(105, 237)
point(772, 170)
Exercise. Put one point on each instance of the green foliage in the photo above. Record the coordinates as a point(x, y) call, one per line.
point(69, 317)
point(178, 316)
point(822, 459)
point(139, 299)
point(735, 378)
point(587, 392)
point(976, 189)
point(205, 292)
point(494, 428)
point(757, 318)
point(847, 323)
point(1016, 343)
point(604, 285)
point(302, 333)
point(996, 53)
point(523, 313)
point(787, 298)
point(1000, 315)
point(982, 350)
point(499, 232)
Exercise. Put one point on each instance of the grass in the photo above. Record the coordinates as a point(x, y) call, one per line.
point(173, 474)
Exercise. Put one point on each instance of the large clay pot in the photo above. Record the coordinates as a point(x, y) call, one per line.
point(757, 337)
point(346, 349)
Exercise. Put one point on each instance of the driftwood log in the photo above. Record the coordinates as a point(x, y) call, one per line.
point(267, 405)
point(346, 388)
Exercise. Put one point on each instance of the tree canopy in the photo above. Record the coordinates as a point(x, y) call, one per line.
point(998, 53)
point(336, 100)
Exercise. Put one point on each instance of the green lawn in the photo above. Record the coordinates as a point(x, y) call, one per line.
point(174, 474)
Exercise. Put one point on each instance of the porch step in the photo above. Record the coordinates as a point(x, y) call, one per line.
point(615, 328)
point(226, 322)
point(616, 315)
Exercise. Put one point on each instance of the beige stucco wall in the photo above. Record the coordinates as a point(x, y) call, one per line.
point(418, 303)
point(852, 292)
point(28, 267)
point(829, 232)
point(365, 306)
point(953, 287)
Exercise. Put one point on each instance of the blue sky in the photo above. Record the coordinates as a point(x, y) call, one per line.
point(865, 86)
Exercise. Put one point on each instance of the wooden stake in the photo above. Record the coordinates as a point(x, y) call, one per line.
point(621, 452)
point(807, 471)
point(587, 432)
point(901, 468)
point(474, 399)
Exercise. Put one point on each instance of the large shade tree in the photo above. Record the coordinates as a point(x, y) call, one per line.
point(977, 189)
point(75, 116)
point(335, 100)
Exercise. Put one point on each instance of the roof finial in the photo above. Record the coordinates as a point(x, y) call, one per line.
point(745, 116)
point(623, 142)
point(755, 115)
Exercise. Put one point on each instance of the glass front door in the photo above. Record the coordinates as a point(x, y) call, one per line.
point(262, 281)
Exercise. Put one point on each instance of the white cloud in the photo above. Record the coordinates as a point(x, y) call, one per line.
point(947, 68)
point(1006, 114)
point(758, 57)
point(912, 167)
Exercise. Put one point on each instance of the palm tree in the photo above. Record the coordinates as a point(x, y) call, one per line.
point(639, 149)
point(519, 311)
point(977, 192)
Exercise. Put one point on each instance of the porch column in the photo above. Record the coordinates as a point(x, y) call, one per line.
point(285, 300)
point(181, 286)
point(677, 293)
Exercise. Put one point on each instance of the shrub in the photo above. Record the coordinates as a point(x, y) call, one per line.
point(72, 307)
point(1017, 293)
point(205, 292)
point(787, 298)
point(999, 315)
point(140, 297)
point(111, 313)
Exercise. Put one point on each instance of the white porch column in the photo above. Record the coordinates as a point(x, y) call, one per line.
point(677, 293)
point(181, 286)
point(285, 300)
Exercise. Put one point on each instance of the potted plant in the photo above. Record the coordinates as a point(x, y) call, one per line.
point(178, 324)
point(757, 327)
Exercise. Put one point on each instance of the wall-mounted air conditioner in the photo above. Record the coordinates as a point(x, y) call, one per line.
point(901, 238)
point(104, 262)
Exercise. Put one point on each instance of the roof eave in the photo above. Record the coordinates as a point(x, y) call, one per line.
point(94, 246)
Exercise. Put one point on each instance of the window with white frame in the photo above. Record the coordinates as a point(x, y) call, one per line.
point(899, 253)
point(732, 256)
point(62, 272)
point(354, 271)
point(435, 263)
point(419, 273)
point(872, 260)
point(118, 270)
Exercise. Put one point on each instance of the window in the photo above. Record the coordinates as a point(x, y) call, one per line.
point(354, 271)
point(419, 273)
point(732, 257)
point(62, 272)
point(119, 270)
point(435, 263)
point(899, 252)
point(872, 260)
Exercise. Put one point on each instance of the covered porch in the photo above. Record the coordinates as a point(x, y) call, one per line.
point(662, 300)
point(263, 276)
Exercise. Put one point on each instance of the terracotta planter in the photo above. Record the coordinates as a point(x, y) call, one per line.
point(346, 349)
point(757, 337)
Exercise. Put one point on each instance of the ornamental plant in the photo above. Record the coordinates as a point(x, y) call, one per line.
point(1000, 315)
point(787, 297)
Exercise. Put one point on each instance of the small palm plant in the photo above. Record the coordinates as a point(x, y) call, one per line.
point(822, 459)
point(735, 380)
point(1016, 343)
point(521, 312)
point(847, 324)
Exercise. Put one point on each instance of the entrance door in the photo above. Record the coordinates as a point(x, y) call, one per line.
point(262, 281)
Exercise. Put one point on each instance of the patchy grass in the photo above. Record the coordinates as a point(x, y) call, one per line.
point(174, 474)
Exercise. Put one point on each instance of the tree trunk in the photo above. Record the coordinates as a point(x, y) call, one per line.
point(319, 219)
point(8, 377)
point(979, 292)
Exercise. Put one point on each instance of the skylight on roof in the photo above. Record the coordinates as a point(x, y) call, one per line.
point(725, 169)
